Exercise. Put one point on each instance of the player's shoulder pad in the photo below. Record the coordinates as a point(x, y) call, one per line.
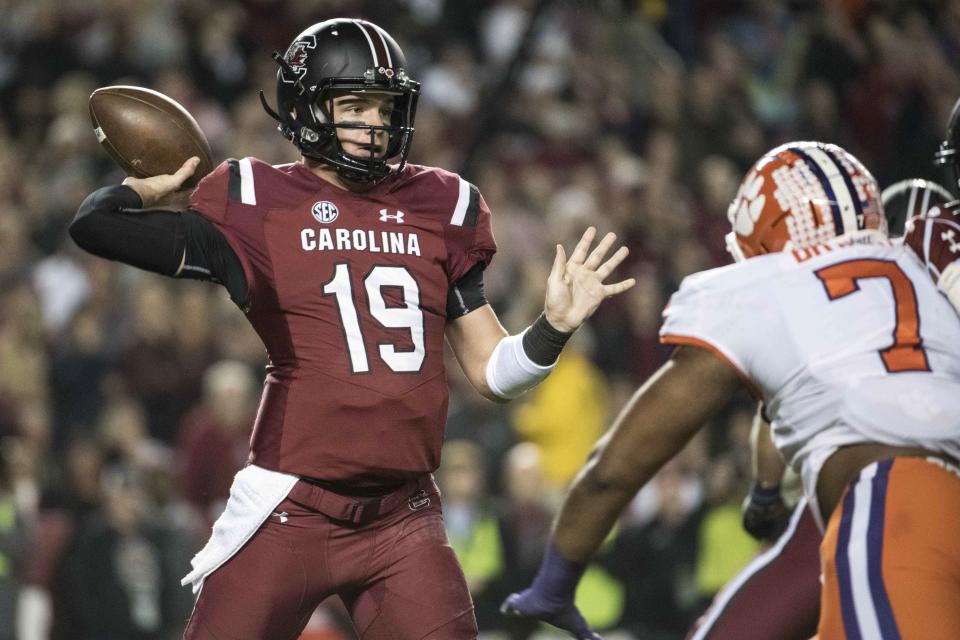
point(722, 309)
point(242, 179)
point(447, 193)
point(249, 182)
point(733, 277)
point(232, 180)
point(720, 296)
point(209, 197)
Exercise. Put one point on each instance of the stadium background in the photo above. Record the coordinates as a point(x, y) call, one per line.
point(126, 399)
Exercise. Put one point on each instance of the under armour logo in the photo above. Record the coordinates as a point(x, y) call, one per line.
point(948, 236)
point(396, 217)
point(282, 516)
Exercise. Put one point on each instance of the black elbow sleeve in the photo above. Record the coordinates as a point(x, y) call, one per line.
point(111, 225)
point(466, 294)
point(85, 230)
point(88, 223)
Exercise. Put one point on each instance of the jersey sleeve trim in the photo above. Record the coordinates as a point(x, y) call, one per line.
point(674, 339)
point(240, 187)
point(468, 205)
point(466, 294)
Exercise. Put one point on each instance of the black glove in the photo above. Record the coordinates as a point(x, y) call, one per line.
point(765, 516)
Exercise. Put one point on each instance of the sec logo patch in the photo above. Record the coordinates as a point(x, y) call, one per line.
point(325, 212)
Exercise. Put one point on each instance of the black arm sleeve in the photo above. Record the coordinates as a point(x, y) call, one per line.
point(210, 257)
point(111, 224)
point(466, 294)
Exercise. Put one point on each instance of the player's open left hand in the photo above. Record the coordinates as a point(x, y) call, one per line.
point(530, 603)
point(157, 190)
point(575, 287)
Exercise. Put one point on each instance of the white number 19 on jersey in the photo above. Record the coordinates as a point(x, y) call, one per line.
point(409, 316)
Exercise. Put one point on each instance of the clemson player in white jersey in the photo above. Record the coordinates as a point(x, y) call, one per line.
point(853, 351)
point(777, 595)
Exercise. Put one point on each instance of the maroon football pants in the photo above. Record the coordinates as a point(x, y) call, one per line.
point(776, 596)
point(397, 574)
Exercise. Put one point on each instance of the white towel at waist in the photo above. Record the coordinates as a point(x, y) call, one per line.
point(254, 494)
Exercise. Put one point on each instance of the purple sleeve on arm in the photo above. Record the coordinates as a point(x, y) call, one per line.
point(558, 577)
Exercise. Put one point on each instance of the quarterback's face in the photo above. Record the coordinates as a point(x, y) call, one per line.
point(370, 109)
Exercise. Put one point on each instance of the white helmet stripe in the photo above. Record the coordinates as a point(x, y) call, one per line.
point(373, 50)
point(845, 199)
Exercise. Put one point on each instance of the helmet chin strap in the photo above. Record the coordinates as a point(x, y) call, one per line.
point(353, 174)
point(362, 175)
point(370, 169)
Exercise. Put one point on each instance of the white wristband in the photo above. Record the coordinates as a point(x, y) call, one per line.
point(510, 372)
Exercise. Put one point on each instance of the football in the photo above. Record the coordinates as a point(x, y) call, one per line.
point(148, 133)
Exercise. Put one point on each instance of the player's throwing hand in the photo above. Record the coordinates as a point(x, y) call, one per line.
point(575, 287)
point(154, 190)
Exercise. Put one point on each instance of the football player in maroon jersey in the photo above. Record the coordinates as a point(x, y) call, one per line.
point(935, 238)
point(353, 266)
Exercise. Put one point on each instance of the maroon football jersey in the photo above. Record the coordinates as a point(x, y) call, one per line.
point(348, 292)
point(935, 237)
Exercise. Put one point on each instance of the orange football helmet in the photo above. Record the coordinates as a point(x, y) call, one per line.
point(799, 195)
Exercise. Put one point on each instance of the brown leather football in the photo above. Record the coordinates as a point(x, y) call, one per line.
point(147, 133)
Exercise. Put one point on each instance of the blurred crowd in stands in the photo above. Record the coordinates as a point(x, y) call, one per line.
point(126, 399)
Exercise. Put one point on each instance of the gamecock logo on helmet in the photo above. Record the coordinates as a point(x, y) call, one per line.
point(296, 57)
